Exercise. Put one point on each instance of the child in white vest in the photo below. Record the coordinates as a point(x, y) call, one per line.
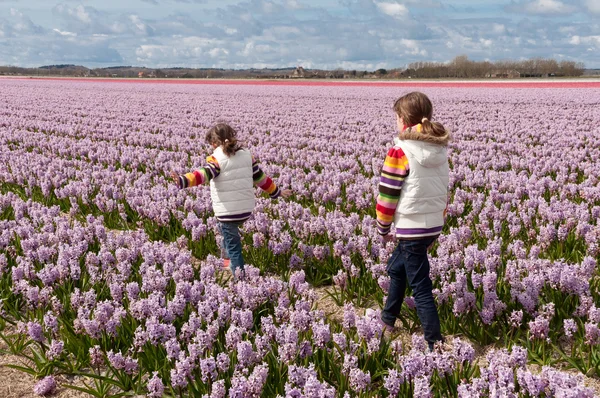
point(233, 173)
point(411, 206)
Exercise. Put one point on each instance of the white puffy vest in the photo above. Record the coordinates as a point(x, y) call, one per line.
point(424, 194)
point(232, 191)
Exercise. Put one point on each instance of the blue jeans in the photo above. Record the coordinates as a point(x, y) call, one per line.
point(409, 262)
point(231, 245)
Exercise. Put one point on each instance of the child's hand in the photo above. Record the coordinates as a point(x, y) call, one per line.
point(389, 238)
point(286, 193)
point(175, 177)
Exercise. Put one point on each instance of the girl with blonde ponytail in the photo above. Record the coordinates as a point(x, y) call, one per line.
point(411, 206)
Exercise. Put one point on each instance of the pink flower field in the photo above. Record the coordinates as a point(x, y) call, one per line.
point(110, 273)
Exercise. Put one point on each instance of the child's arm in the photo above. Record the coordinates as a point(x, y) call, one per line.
point(201, 176)
point(263, 181)
point(393, 173)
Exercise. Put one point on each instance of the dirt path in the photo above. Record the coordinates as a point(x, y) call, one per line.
point(17, 384)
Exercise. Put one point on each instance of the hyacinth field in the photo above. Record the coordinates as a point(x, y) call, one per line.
point(109, 273)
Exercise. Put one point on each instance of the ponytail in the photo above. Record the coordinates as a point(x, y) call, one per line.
point(224, 136)
point(433, 129)
point(230, 146)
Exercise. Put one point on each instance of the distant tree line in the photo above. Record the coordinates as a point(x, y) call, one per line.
point(460, 67)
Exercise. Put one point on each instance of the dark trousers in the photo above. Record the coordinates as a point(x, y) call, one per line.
point(409, 262)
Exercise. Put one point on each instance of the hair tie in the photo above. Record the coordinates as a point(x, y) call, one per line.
point(226, 141)
point(424, 119)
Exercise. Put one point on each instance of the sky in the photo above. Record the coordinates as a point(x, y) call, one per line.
point(348, 34)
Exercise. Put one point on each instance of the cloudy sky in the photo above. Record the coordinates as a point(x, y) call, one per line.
point(351, 34)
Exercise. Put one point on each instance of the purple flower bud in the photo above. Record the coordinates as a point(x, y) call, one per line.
point(592, 333)
point(51, 322)
point(340, 279)
point(223, 362)
point(321, 334)
point(539, 327)
point(208, 367)
point(55, 350)
point(117, 360)
point(463, 351)
point(515, 319)
point(96, 357)
point(218, 389)
point(173, 348)
point(349, 316)
point(392, 382)
point(422, 388)
point(45, 387)
point(359, 380)
point(35, 332)
point(155, 386)
point(570, 327)
point(245, 353)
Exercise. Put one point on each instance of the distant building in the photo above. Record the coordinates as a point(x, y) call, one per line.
point(299, 73)
point(505, 74)
point(141, 74)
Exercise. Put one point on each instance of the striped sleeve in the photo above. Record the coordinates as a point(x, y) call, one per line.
point(395, 170)
point(201, 176)
point(263, 181)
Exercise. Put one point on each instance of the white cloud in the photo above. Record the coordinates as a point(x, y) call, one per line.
point(293, 4)
point(543, 7)
point(139, 26)
point(80, 13)
point(424, 3)
point(413, 47)
point(486, 42)
point(282, 32)
point(218, 52)
point(498, 28)
point(268, 7)
point(64, 33)
point(177, 50)
point(19, 24)
point(356, 34)
point(567, 29)
point(586, 40)
point(593, 6)
point(137, 22)
point(48, 49)
point(394, 10)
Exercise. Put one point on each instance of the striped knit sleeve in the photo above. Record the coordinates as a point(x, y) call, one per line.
point(201, 176)
point(395, 170)
point(263, 181)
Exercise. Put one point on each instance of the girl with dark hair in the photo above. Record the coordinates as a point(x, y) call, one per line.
point(233, 173)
